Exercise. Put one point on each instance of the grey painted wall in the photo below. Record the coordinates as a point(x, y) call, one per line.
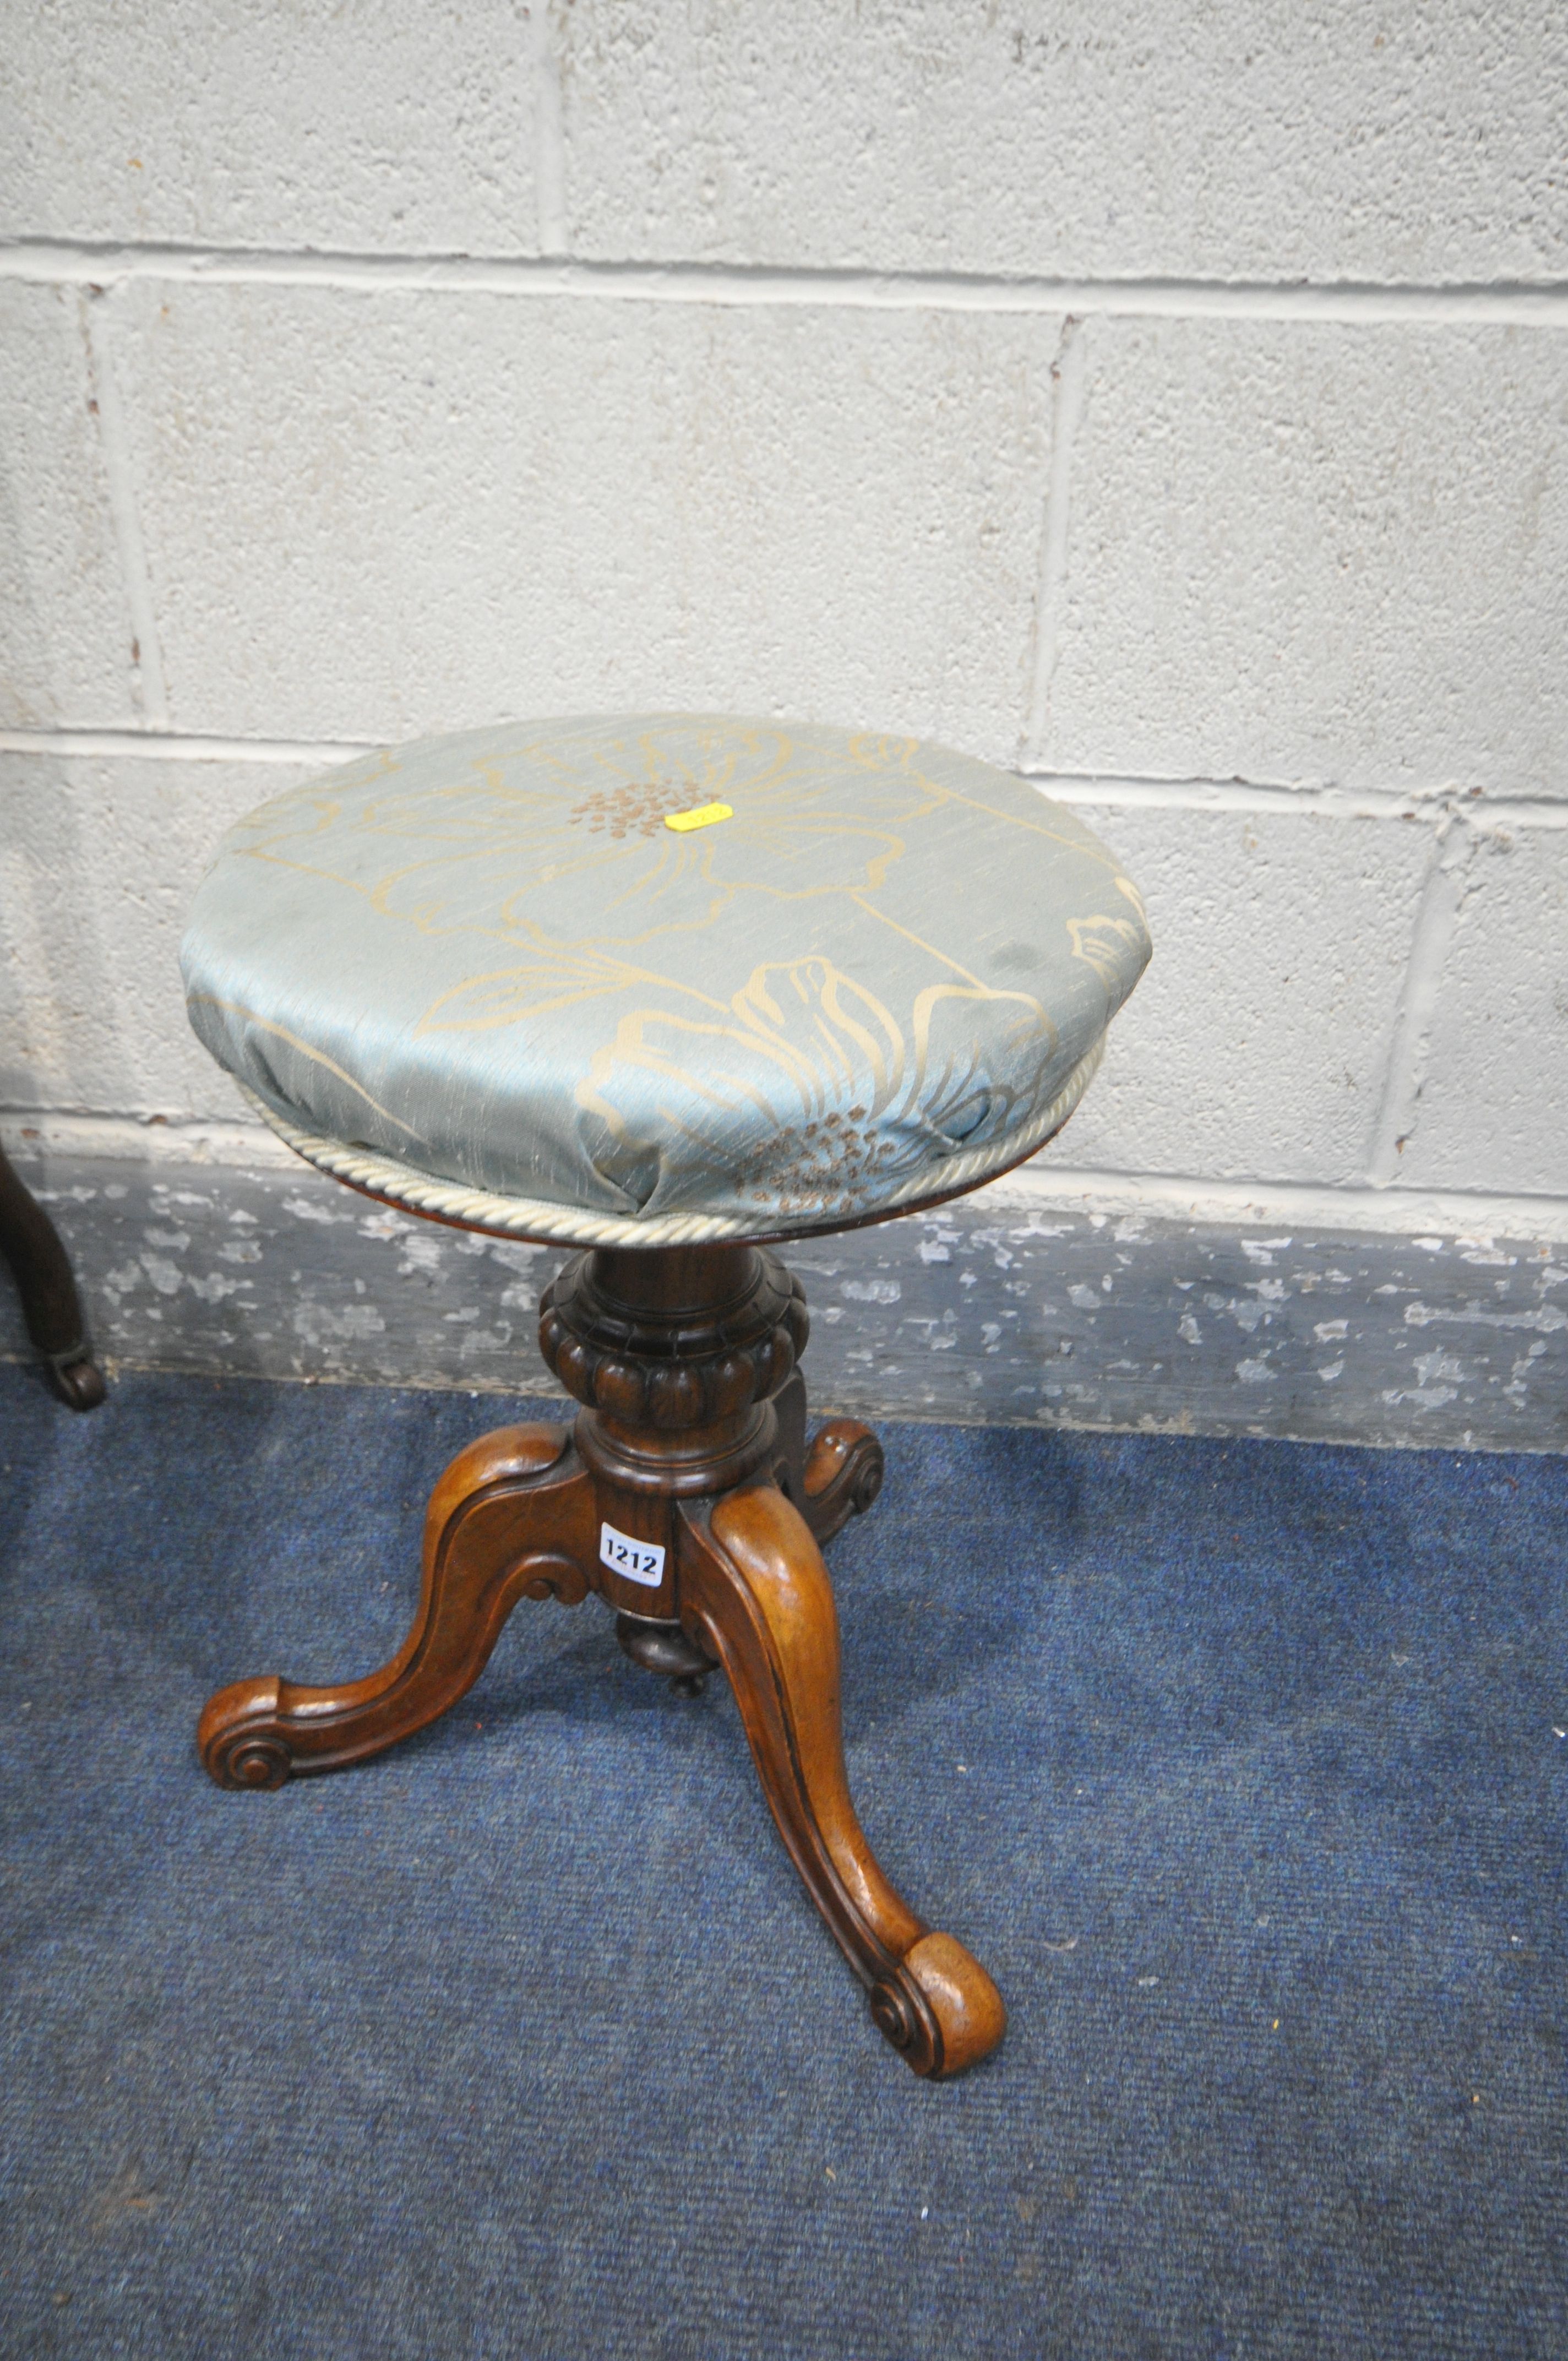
point(977, 1312)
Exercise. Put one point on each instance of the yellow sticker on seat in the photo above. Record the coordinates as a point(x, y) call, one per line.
point(703, 816)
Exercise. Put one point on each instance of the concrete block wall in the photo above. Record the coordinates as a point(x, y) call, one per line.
point(1170, 403)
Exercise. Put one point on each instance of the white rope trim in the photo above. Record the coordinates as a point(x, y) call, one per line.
point(551, 1224)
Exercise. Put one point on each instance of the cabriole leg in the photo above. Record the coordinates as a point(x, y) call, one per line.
point(510, 1518)
point(755, 1594)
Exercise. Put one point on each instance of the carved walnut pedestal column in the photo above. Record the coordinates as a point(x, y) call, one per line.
point(686, 1496)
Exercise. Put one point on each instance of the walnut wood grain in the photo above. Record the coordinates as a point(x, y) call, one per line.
point(756, 1595)
point(512, 1517)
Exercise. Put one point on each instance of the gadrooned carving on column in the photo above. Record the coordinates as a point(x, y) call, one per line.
point(673, 1372)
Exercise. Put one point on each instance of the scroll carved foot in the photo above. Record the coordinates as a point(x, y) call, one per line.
point(843, 1476)
point(756, 1595)
point(512, 1517)
point(837, 1475)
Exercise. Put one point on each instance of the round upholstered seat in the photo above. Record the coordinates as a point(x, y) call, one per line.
point(662, 979)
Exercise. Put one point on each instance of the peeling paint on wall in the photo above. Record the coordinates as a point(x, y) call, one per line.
point(967, 1314)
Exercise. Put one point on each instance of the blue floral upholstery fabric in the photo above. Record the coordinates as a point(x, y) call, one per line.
point(489, 958)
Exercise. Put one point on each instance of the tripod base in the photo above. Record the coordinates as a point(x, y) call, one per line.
point(686, 1496)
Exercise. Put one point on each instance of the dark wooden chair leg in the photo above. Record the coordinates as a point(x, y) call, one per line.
point(41, 1268)
point(755, 1594)
point(511, 1518)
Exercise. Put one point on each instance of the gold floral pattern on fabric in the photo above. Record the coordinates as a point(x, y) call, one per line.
point(488, 956)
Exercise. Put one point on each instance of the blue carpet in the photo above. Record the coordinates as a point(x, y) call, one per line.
point(1240, 1765)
